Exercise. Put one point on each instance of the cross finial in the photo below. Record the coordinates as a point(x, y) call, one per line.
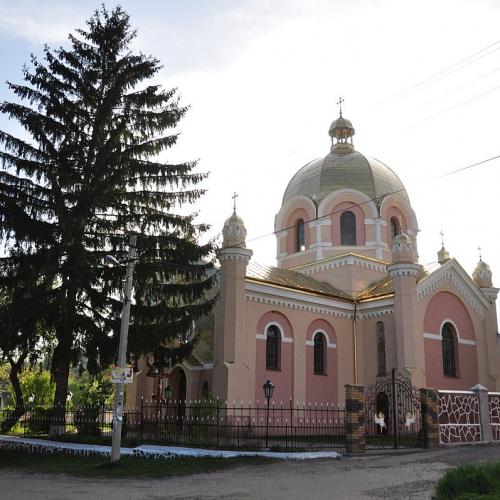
point(442, 238)
point(339, 104)
point(480, 250)
point(234, 201)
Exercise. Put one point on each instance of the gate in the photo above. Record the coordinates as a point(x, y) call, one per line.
point(392, 413)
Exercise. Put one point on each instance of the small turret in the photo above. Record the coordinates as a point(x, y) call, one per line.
point(234, 232)
point(403, 249)
point(482, 275)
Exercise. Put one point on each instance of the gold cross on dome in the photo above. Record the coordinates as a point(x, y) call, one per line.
point(442, 238)
point(234, 201)
point(339, 104)
point(480, 250)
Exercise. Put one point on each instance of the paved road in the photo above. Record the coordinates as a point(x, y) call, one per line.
point(389, 476)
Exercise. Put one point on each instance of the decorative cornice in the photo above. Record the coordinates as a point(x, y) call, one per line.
point(235, 253)
point(375, 308)
point(404, 269)
point(350, 259)
point(265, 294)
point(453, 274)
point(490, 293)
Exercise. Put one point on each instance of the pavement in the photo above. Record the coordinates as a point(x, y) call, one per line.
point(399, 474)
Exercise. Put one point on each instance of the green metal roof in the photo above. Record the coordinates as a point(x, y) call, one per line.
point(344, 168)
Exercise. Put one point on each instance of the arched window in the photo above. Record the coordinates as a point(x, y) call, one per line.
point(448, 346)
point(273, 348)
point(319, 354)
point(300, 241)
point(395, 229)
point(382, 368)
point(347, 228)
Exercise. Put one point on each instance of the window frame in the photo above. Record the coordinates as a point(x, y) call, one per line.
point(319, 358)
point(348, 230)
point(395, 224)
point(273, 343)
point(300, 235)
point(449, 350)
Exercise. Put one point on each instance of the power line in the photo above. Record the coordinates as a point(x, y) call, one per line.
point(470, 82)
point(468, 166)
point(463, 103)
point(450, 69)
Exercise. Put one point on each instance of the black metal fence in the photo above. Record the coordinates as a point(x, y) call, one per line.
point(297, 427)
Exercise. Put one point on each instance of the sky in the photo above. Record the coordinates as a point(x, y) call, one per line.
point(421, 83)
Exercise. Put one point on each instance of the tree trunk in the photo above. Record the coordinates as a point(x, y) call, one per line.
point(60, 372)
point(14, 416)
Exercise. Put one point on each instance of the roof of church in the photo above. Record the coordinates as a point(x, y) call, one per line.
point(384, 287)
point(344, 168)
point(292, 279)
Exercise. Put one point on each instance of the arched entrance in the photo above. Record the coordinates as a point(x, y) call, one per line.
point(178, 383)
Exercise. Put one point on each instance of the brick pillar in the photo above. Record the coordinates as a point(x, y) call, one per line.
point(355, 419)
point(430, 424)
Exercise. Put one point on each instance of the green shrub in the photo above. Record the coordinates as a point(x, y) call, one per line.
point(86, 421)
point(39, 420)
point(470, 482)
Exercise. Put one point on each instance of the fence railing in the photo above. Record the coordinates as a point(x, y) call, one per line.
point(300, 427)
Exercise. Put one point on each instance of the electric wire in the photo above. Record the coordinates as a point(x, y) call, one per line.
point(449, 69)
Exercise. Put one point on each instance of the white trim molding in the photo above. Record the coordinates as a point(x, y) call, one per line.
point(263, 336)
point(439, 336)
point(330, 345)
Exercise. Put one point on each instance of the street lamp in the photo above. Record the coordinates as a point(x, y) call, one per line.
point(122, 348)
point(167, 393)
point(268, 393)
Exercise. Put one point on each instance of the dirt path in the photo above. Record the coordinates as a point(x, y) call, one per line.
point(387, 476)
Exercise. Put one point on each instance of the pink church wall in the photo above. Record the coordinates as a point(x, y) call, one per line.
point(360, 222)
point(446, 306)
point(282, 378)
point(322, 388)
point(292, 220)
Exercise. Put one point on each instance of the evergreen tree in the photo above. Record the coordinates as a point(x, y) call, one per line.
point(89, 175)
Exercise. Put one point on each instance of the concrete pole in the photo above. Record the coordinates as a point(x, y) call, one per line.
point(122, 351)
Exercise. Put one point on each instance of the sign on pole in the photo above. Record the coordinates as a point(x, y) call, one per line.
point(122, 375)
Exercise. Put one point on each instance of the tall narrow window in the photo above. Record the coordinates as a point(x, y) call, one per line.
point(448, 346)
point(382, 368)
point(319, 354)
point(347, 228)
point(300, 241)
point(273, 344)
point(395, 229)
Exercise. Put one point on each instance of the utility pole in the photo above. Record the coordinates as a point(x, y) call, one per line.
point(122, 350)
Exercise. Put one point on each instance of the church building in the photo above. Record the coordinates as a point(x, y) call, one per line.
point(347, 302)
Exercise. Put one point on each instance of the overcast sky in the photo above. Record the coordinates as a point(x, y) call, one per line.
point(262, 79)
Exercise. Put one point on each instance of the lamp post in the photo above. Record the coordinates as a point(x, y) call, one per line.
point(167, 393)
point(122, 348)
point(268, 393)
point(31, 399)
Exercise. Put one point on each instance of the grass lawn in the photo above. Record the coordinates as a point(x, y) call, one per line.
point(470, 482)
point(93, 466)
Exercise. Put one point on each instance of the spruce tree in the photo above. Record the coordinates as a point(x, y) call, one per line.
point(91, 172)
